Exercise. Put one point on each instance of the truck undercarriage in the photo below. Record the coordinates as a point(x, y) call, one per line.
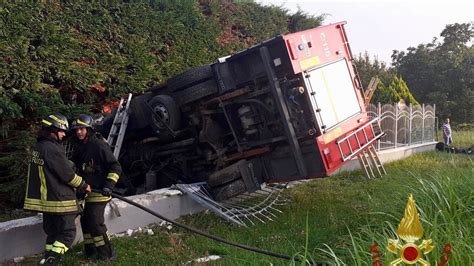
point(286, 109)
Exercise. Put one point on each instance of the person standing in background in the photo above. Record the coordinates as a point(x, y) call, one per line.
point(447, 132)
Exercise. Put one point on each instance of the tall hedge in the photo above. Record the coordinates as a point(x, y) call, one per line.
point(70, 57)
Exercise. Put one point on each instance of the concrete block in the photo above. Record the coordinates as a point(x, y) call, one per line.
point(21, 237)
point(25, 237)
point(387, 156)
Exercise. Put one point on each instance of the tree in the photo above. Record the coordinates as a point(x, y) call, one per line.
point(369, 68)
point(402, 92)
point(385, 94)
point(301, 20)
point(397, 88)
point(442, 72)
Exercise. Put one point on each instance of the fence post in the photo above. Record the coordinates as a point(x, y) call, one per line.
point(410, 117)
point(379, 114)
point(435, 125)
point(423, 124)
point(396, 124)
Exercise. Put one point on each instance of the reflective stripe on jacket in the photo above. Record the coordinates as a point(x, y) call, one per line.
point(97, 164)
point(51, 180)
point(96, 197)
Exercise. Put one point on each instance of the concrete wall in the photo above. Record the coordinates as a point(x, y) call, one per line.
point(390, 155)
point(25, 237)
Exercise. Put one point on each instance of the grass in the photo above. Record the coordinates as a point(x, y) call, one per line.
point(336, 219)
point(445, 205)
point(461, 138)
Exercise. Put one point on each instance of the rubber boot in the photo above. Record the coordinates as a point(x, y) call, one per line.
point(106, 252)
point(53, 259)
point(89, 250)
point(45, 256)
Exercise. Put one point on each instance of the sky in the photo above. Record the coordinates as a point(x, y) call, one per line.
point(379, 27)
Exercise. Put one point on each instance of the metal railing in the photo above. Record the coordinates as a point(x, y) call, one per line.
point(404, 126)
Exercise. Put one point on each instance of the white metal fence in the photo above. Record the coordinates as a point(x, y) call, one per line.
point(404, 126)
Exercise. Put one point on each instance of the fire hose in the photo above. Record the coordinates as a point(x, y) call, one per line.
point(216, 238)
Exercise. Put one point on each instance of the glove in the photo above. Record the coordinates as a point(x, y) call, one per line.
point(106, 191)
point(82, 188)
point(108, 188)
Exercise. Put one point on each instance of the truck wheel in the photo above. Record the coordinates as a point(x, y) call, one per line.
point(138, 117)
point(165, 107)
point(196, 92)
point(190, 77)
point(228, 190)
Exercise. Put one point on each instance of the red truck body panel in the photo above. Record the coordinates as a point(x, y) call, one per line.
point(317, 47)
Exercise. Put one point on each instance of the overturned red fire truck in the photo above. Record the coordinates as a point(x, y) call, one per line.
point(285, 109)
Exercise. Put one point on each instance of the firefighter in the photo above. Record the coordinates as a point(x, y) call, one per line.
point(51, 188)
point(99, 167)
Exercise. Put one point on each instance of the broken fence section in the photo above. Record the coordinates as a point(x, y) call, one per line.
point(246, 209)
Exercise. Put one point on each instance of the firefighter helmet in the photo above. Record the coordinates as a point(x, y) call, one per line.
point(55, 122)
point(83, 121)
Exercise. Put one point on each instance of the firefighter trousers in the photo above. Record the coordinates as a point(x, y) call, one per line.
point(60, 231)
point(94, 230)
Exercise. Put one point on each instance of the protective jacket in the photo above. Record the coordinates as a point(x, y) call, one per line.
point(97, 164)
point(51, 180)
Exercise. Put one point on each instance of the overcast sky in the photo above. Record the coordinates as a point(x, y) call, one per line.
point(380, 27)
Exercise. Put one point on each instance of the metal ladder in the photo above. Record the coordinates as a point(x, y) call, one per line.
point(359, 139)
point(369, 92)
point(358, 143)
point(368, 160)
point(365, 164)
point(374, 157)
point(119, 126)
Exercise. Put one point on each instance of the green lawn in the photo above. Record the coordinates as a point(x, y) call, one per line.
point(461, 138)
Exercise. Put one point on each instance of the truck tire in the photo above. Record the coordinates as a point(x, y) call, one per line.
point(190, 77)
point(165, 107)
point(228, 190)
point(138, 117)
point(196, 92)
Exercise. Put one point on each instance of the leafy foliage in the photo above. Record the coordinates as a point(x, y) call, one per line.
point(13, 162)
point(369, 68)
point(442, 72)
point(247, 22)
point(400, 91)
point(391, 87)
point(302, 21)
